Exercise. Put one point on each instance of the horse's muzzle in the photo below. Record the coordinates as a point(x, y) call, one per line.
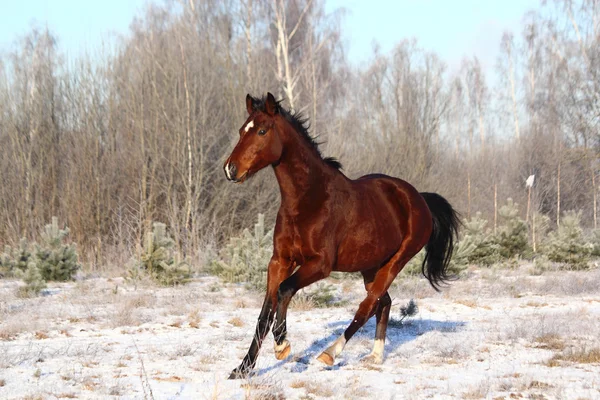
point(230, 171)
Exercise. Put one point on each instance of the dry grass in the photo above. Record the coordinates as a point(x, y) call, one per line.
point(539, 385)
point(141, 300)
point(194, 319)
point(41, 335)
point(535, 304)
point(125, 315)
point(16, 325)
point(176, 324)
point(467, 302)
point(319, 389)
point(297, 384)
point(240, 303)
point(262, 389)
point(479, 391)
point(302, 302)
point(236, 321)
point(550, 341)
point(573, 355)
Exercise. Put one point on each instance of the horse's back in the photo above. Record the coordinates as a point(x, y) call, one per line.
point(378, 219)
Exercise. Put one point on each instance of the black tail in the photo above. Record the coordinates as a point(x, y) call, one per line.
point(441, 243)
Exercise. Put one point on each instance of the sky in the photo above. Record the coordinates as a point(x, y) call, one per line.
point(79, 24)
point(452, 28)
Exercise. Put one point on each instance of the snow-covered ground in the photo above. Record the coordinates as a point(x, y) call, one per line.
point(493, 334)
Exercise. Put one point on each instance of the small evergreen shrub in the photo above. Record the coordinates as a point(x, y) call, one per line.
point(567, 245)
point(56, 260)
point(50, 260)
point(407, 311)
point(15, 261)
point(322, 295)
point(486, 250)
point(512, 238)
point(245, 258)
point(595, 241)
point(463, 251)
point(542, 226)
point(541, 264)
point(413, 267)
point(34, 282)
point(458, 262)
point(159, 260)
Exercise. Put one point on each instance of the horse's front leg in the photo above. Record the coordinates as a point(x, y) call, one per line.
point(310, 272)
point(277, 271)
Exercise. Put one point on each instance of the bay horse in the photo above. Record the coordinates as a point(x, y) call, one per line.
point(327, 222)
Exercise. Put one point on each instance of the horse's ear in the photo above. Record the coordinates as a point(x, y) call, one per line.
point(271, 104)
point(249, 104)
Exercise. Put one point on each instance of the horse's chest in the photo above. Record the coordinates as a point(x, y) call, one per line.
point(298, 242)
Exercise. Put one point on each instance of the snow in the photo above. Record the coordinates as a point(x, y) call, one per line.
point(489, 335)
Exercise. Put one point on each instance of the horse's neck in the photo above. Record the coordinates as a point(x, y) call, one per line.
point(300, 171)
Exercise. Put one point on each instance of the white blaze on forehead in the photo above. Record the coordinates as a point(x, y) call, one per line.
point(248, 126)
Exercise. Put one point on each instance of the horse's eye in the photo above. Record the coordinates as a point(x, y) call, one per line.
point(262, 132)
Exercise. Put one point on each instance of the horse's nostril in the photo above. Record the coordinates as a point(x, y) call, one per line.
point(230, 171)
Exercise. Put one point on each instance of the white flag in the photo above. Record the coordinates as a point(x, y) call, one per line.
point(529, 181)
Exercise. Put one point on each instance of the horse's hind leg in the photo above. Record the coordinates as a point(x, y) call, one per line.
point(376, 296)
point(382, 314)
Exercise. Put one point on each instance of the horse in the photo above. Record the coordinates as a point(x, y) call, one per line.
point(327, 222)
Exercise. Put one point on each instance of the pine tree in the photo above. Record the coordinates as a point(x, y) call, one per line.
point(159, 259)
point(15, 260)
point(595, 240)
point(56, 260)
point(542, 226)
point(512, 239)
point(484, 248)
point(567, 245)
point(34, 282)
point(414, 266)
point(246, 258)
point(462, 254)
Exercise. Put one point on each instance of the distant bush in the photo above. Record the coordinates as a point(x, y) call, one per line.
point(52, 259)
point(567, 244)
point(458, 262)
point(159, 259)
point(55, 259)
point(321, 295)
point(512, 238)
point(245, 258)
point(34, 281)
point(15, 261)
point(595, 241)
point(485, 250)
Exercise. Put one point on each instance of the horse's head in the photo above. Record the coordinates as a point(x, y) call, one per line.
point(260, 143)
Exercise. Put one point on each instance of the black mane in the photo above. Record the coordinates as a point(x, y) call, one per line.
point(300, 124)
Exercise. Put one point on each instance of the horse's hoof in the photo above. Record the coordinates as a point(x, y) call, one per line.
point(283, 350)
point(326, 358)
point(238, 373)
point(372, 359)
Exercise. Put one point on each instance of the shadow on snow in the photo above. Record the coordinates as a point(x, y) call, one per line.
point(397, 335)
